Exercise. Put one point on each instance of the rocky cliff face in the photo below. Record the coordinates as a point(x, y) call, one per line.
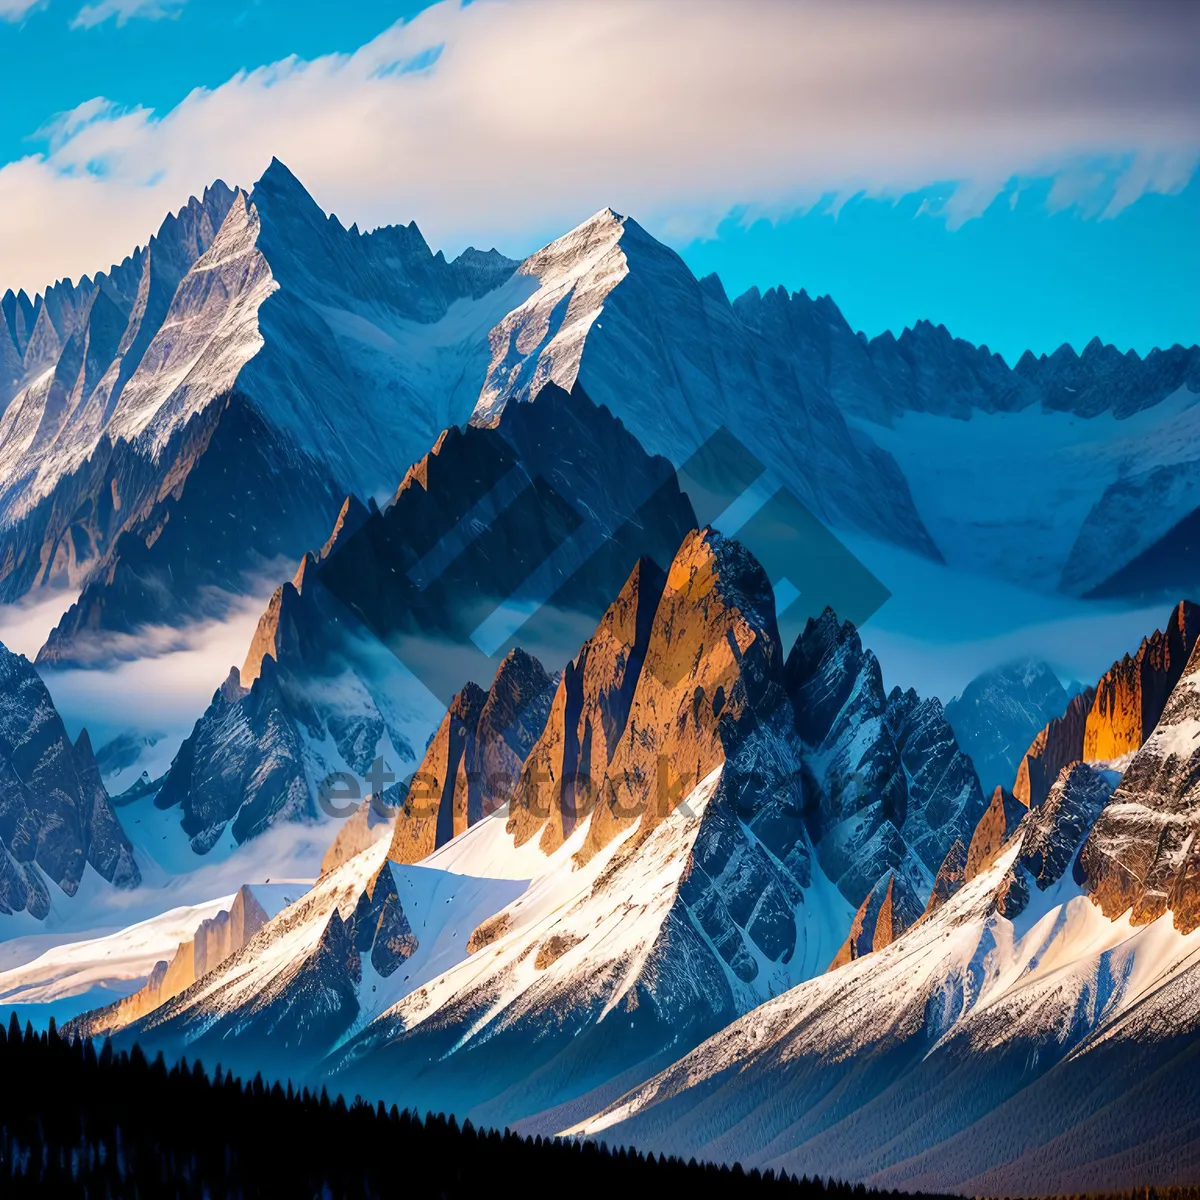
point(893, 789)
point(55, 816)
point(1113, 719)
point(1140, 857)
point(1058, 745)
point(479, 549)
point(1000, 713)
point(708, 659)
point(1004, 813)
point(473, 762)
point(242, 767)
point(1131, 697)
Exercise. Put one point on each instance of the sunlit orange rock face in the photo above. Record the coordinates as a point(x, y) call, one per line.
point(1117, 716)
point(475, 757)
point(995, 827)
point(588, 716)
point(667, 692)
point(1057, 746)
point(215, 940)
point(881, 918)
point(1130, 697)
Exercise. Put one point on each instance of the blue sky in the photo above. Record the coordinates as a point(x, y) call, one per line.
point(1059, 214)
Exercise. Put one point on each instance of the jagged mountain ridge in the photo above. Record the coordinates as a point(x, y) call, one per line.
point(351, 659)
point(893, 787)
point(1111, 721)
point(620, 313)
point(876, 1065)
point(269, 340)
point(100, 446)
point(55, 815)
point(1056, 958)
point(660, 831)
point(926, 369)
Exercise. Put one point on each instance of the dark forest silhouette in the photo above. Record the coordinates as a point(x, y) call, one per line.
point(77, 1122)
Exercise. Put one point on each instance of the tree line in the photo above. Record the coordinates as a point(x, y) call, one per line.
point(97, 1124)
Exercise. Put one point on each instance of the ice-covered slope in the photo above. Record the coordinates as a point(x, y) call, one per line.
point(1052, 499)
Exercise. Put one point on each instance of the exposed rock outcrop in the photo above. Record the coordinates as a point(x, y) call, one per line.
point(371, 821)
point(883, 916)
point(472, 764)
point(951, 876)
point(1113, 719)
point(379, 926)
point(1131, 696)
point(55, 815)
point(891, 787)
point(1142, 856)
point(214, 941)
point(1057, 746)
point(242, 765)
point(486, 543)
point(998, 823)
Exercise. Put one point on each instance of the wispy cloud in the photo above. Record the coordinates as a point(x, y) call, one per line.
point(503, 122)
point(14, 10)
point(125, 10)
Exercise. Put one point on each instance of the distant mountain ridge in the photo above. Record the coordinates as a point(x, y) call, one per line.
point(927, 369)
point(175, 425)
point(1000, 712)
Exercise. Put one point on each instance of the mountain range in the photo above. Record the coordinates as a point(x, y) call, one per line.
point(561, 726)
point(229, 366)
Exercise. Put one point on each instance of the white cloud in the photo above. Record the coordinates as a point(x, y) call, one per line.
point(506, 122)
point(125, 10)
point(14, 10)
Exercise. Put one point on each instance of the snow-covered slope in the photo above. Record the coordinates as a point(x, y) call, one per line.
point(621, 313)
point(118, 962)
point(1017, 1040)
